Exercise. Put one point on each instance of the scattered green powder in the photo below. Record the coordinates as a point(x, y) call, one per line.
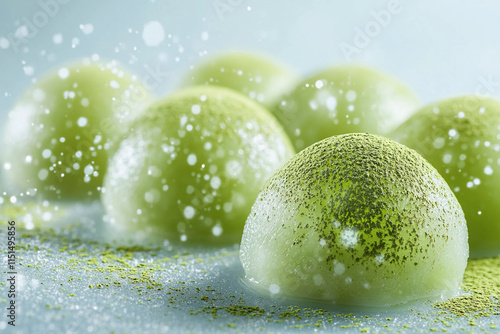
point(108, 267)
point(482, 282)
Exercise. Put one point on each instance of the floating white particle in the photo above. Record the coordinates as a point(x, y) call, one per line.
point(313, 105)
point(274, 289)
point(28, 159)
point(38, 95)
point(68, 94)
point(379, 258)
point(88, 169)
point(22, 32)
point(461, 114)
point(46, 216)
point(318, 279)
point(87, 29)
point(452, 132)
point(152, 196)
point(139, 211)
point(207, 146)
point(57, 38)
point(319, 84)
point(13, 199)
point(438, 143)
point(154, 171)
point(331, 103)
point(153, 33)
point(479, 212)
point(42, 174)
point(349, 237)
point(189, 212)
point(488, 170)
point(482, 110)
point(470, 184)
point(217, 230)
point(82, 121)
point(46, 153)
point(195, 109)
point(351, 96)
point(191, 159)
point(477, 181)
point(215, 182)
point(204, 35)
point(76, 166)
point(183, 238)
point(4, 43)
point(338, 268)
point(62, 139)
point(234, 168)
point(447, 158)
point(348, 280)
point(28, 70)
point(114, 84)
point(74, 42)
point(63, 73)
point(227, 207)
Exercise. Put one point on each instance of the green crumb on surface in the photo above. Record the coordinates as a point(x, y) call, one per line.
point(482, 284)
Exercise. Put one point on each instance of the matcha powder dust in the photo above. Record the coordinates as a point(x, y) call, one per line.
point(482, 284)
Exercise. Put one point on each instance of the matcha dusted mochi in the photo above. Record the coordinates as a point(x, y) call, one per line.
point(261, 78)
point(192, 166)
point(344, 99)
point(356, 219)
point(460, 137)
point(59, 135)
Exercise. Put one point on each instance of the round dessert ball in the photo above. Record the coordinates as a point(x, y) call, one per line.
point(58, 136)
point(259, 77)
point(460, 138)
point(193, 165)
point(344, 99)
point(356, 219)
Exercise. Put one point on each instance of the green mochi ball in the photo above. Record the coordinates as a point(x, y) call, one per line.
point(193, 165)
point(356, 219)
point(58, 136)
point(259, 77)
point(461, 137)
point(344, 99)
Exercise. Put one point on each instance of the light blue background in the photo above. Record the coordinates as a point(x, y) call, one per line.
point(438, 48)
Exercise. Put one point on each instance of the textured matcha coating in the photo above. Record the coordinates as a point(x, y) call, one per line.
point(460, 138)
point(192, 167)
point(356, 219)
